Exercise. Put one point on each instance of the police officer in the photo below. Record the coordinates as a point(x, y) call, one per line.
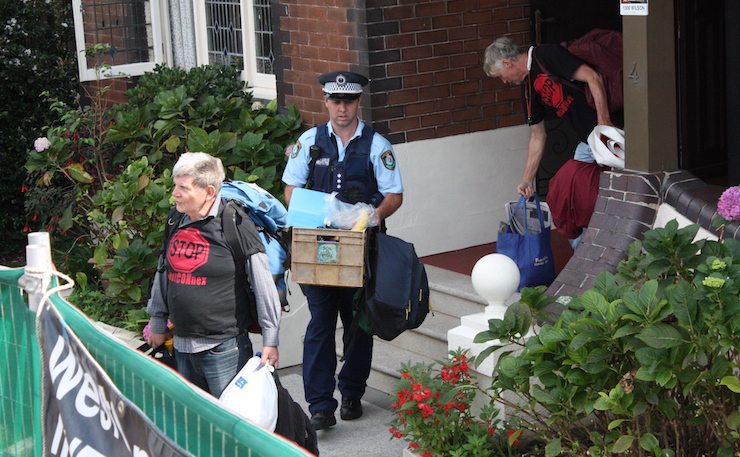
point(350, 158)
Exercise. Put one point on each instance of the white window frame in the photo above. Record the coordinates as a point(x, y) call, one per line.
point(161, 45)
point(261, 85)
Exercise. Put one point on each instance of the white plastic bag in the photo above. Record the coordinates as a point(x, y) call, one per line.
point(347, 216)
point(253, 394)
point(607, 145)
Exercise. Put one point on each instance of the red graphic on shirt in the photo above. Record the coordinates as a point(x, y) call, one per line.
point(552, 94)
point(188, 250)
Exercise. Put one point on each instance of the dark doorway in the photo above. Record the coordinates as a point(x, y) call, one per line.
point(701, 85)
point(554, 21)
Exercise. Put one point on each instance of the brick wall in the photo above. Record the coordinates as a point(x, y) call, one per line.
point(424, 59)
point(625, 209)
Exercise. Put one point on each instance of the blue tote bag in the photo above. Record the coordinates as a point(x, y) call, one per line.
point(531, 252)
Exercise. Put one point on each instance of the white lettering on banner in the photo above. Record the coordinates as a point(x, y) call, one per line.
point(538, 261)
point(70, 448)
point(71, 375)
point(98, 404)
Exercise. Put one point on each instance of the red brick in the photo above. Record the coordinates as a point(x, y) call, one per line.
point(510, 121)
point(462, 33)
point(447, 21)
point(478, 17)
point(521, 25)
point(504, 14)
point(482, 125)
point(448, 48)
point(400, 41)
point(336, 14)
point(466, 87)
point(435, 36)
point(450, 130)
point(485, 98)
point(402, 125)
point(450, 103)
point(415, 109)
point(401, 68)
point(466, 114)
point(448, 76)
point(434, 64)
point(509, 94)
point(415, 25)
point(431, 120)
point(431, 9)
point(434, 92)
point(418, 135)
point(417, 80)
point(401, 97)
point(398, 12)
point(417, 52)
point(338, 41)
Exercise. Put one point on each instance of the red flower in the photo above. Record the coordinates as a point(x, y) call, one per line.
point(511, 432)
point(27, 229)
point(414, 446)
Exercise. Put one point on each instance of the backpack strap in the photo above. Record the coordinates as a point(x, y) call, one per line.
point(170, 224)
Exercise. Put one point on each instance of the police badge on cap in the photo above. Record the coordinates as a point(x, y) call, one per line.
point(342, 85)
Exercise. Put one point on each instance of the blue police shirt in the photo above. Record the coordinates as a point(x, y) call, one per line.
point(384, 162)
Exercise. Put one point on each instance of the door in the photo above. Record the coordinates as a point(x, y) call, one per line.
point(554, 21)
point(701, 86)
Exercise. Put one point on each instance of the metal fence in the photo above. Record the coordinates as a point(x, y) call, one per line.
point(190, 418)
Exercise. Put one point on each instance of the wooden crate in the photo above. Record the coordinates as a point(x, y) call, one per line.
point(328, 257)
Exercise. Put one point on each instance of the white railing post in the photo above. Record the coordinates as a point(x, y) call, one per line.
point(37, 277)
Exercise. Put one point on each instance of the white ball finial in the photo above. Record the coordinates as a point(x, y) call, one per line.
point(495, 277)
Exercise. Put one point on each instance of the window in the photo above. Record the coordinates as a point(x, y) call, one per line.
point(239, 33)
point(133, 29)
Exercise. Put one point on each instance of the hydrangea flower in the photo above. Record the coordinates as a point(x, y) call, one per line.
point(728, 205)
point(256, 106)
point(41, 144)
point(714, 283)
point(718, 265)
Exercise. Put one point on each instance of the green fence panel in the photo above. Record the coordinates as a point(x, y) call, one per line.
point(20, 399)
point(192, 419)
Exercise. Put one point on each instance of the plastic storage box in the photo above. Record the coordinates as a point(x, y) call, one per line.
point(328, 257)
point(307, 208)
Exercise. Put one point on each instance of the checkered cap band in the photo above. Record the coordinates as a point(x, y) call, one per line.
point(347, 88)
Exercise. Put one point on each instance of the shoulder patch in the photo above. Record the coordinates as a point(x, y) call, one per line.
point(389, 161)
point(296, 150)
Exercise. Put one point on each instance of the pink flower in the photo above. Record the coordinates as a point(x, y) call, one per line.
point(728, 205)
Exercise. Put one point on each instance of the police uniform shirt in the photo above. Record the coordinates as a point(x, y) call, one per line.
point(385, 167)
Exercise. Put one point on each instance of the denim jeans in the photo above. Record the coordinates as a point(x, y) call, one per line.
point(584, 154)
point(212, 370)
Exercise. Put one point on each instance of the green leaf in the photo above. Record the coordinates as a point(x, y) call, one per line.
point(732, 383)
point(616, 423)
point(78, 173)
point(661, 335)
point(553, 448)
point(649, 442)
point(623, 444)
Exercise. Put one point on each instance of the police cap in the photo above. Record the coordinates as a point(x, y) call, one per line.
point(342, 85)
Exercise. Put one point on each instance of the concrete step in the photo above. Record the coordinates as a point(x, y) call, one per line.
point(451, 297)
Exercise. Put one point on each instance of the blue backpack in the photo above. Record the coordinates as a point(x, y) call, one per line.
point(269, 215)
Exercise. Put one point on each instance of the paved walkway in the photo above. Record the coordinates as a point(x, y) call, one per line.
point(367, 436)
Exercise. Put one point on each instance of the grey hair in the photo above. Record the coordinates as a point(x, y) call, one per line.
point(205, 169)
point(501, 48)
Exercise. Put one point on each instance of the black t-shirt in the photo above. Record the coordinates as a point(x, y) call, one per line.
point(566, 97)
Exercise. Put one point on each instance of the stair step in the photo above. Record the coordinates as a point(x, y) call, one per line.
point(453, 293)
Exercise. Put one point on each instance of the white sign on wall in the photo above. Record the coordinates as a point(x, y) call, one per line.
point(633, 7)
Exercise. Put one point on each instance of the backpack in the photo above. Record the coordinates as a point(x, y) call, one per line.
point(292, 421)
point(602, 50)
point(269, 215)
point(395, 297)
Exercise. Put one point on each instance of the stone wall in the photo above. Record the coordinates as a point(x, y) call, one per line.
point(625, 208)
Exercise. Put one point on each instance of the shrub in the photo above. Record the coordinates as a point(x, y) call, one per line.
point(102, 177)
point(434, 412)
point(34, 57)
point(645, 363)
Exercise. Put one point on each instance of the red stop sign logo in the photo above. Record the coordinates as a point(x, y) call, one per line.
point(188, 250)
